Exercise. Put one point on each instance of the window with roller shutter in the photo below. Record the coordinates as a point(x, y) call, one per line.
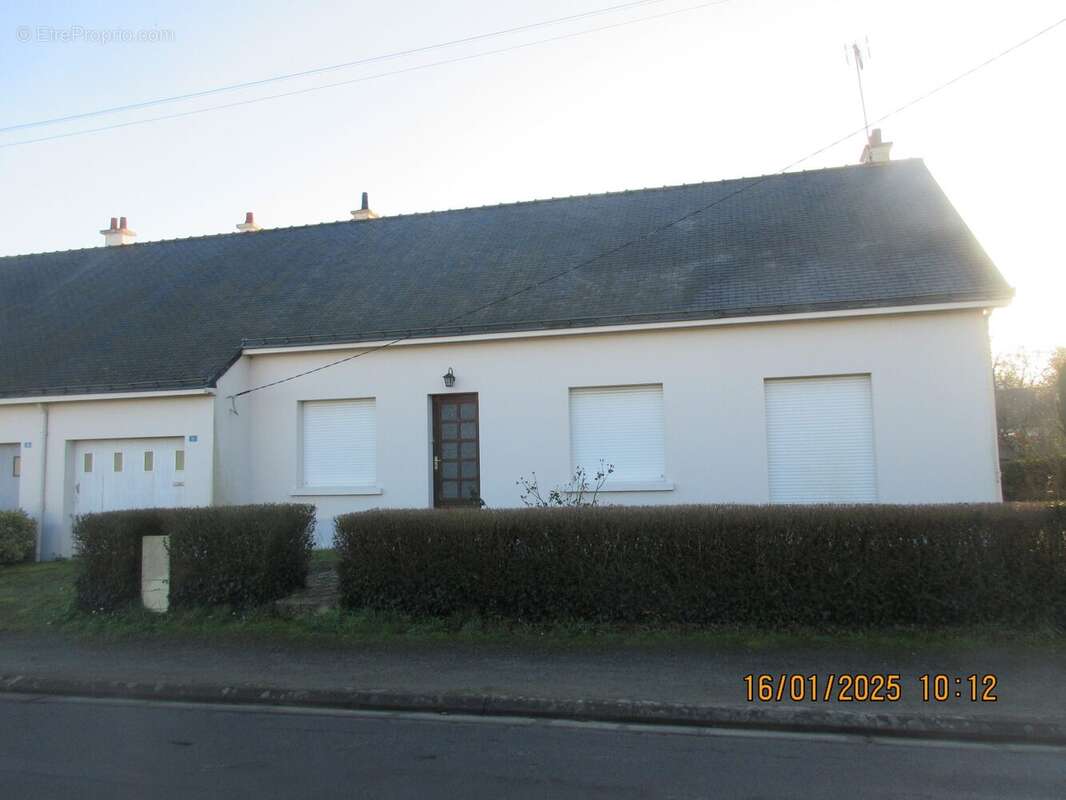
point(339, 443)
point(621, 426)
point(820, 440)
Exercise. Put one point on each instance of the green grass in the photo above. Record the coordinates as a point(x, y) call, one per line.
point(35, 597)
point(39, 598)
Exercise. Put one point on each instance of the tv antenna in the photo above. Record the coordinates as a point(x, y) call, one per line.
point(854, 52)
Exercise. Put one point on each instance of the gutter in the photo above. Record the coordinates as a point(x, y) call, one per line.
point(44, 477)
point(72, 398)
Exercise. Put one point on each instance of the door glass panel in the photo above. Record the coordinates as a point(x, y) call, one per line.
point(449, 450)
point(468, 411)
point(450, 489)
point(470, 489)
point(118, 462)
point(449, 430)
point(448, 412)
point(469, 449)
point(149, 461)
point(469, 469)
point(87, 462)
point(179, 460)
point(469, 430)
point(450, 469)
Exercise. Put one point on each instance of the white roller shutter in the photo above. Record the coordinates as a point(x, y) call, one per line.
point(620, 425)
point(339, 443)
point(820, 439)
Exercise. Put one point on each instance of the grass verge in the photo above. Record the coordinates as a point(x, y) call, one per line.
point(38, 598)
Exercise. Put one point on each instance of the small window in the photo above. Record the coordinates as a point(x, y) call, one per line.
point(87, 462)
point(118, 462)
point(179, 460)
point(149, 460)
point(16, 466)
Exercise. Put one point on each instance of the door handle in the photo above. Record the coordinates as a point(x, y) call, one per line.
point(436, 463)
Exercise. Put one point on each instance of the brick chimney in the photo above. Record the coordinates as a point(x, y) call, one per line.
point(248, 225)
point(875, 151)
point(118, 233)
point(364, 212)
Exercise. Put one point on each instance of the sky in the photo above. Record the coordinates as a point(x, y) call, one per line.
point(690, 91)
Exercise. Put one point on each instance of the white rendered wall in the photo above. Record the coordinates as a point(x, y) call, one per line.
point(232, 476)
point(934, 415)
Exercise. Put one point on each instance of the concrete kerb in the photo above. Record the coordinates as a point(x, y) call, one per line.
point(783, 719)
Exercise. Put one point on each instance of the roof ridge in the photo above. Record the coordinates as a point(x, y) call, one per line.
point(465, 209)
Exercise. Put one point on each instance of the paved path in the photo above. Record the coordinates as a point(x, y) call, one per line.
point(67, 748)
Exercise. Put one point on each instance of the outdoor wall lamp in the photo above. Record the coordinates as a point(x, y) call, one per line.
point(449, 378)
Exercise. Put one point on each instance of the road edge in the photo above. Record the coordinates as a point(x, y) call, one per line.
point(757, 717)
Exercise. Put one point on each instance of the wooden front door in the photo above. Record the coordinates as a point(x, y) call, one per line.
point(456, 462)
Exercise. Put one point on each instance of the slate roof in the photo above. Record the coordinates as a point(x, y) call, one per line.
point(174, 314)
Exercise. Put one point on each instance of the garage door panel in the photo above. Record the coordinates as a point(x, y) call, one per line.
point(140, 483)
point(820, 440)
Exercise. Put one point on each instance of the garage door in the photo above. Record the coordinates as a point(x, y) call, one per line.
point(115, 474)
point(820, 440)
point(10, 470)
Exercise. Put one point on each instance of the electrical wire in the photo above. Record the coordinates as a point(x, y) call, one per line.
point(743, 188)
point(332, 67)
point(415, 68)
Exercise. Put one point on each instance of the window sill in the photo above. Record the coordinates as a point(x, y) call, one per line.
point(330, 491)
point(634, 486)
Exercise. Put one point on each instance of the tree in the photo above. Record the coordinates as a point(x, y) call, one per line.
point(1058, 364)
point(1030, 411)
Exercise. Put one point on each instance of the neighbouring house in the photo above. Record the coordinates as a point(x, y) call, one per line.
point(817, 336)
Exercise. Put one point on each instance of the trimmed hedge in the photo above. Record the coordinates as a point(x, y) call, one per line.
point(227, 555)
point(1034, 478)
point(108, 546)
point(766, 566)
point(18, 537)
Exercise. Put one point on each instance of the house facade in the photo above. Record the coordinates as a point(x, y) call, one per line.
point(812, 337)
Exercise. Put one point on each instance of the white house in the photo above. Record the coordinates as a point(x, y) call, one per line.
point(815, 336)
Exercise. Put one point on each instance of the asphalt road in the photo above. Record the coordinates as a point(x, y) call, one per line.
point(70, 748)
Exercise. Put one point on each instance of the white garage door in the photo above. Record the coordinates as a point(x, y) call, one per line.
point(116, 474)
point(10, 470)
point(820, 440)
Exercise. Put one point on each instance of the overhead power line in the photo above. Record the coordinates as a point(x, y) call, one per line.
point(655, 232)
point(350, 81)
point(332, 67)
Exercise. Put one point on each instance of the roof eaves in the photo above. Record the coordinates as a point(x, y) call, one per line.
point(107, 388)
point(619, 319)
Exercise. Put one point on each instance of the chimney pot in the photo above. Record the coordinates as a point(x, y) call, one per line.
point(364, 212)
point(249, 223)
point(876, 150)
point(118, 232)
